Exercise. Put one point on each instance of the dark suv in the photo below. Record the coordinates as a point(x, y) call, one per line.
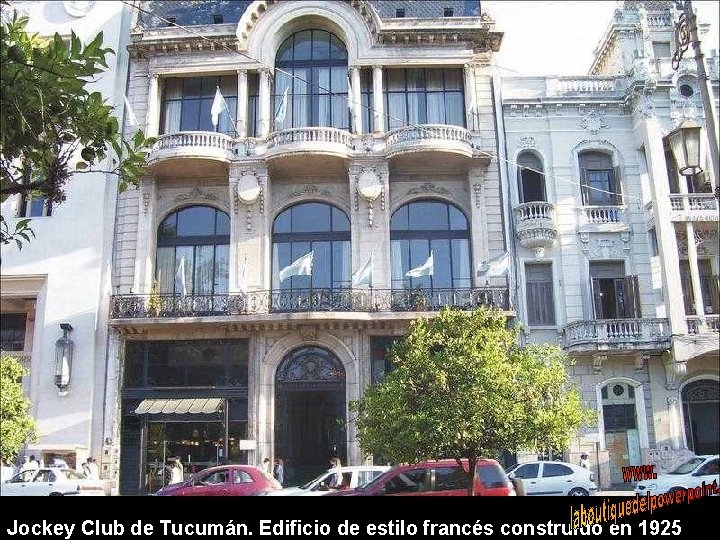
point(437, 478)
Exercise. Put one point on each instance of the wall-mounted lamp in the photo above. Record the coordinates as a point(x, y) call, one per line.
point(63, 359)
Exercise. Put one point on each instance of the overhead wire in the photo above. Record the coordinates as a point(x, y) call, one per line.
point(622, 196)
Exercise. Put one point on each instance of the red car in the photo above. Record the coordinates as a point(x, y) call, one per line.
point(226, 480)
point(437, 478)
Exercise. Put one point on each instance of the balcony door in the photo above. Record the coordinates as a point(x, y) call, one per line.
point(614, 295)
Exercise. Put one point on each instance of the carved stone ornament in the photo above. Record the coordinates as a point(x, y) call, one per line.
point(368, 183)
point(310, 190)
point(674, 371)
point(593, 122)
point(248, 188)
point(77, 8)
point(194, 194)
point(527, 142)
point(428, 188)
point(597, 361)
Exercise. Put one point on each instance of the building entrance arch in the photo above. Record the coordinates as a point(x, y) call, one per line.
point(700, 401)
point(310, 412)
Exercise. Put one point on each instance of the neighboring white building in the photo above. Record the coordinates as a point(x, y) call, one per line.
point(602, 261)
point(63, 274)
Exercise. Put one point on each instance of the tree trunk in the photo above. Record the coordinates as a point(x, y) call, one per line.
point(472, 471)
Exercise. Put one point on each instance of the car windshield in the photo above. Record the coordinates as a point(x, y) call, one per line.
point(688, 466)
point(313, 481)
point(511, 469)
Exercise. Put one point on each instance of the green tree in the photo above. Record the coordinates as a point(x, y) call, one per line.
point(462, 388)
point(17, 427)
point(52, 124)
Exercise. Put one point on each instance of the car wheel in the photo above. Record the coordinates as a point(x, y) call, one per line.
point(56, 494)
point(675, 489)
point(578, 492)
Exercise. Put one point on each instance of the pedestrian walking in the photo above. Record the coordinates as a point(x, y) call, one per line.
point(279, 471)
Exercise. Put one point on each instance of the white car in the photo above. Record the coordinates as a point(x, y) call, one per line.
point(353, 477)
point(51, 481)
point(690, 474)
point(554, 478)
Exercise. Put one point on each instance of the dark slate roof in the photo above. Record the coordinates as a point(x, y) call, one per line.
point(197, 12)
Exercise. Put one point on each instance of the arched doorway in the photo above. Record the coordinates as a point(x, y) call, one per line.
point(622, 429)
point(700, 401)
point(310, 412)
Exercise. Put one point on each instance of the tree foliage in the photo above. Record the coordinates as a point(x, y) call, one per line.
point(462, 388)
point(17, 427)
point(52, 123)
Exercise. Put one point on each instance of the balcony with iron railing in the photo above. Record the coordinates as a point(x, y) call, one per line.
point(143, 306)
point(535, 224)
point(694, 207)
point(616, 334)
point(310, 140)
point(429, 138)
point(206, 145)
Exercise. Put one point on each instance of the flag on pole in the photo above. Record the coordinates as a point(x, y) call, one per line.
point(180, 285)
point(364, 276)
point(243, 277)
point(299, 267)
point(218, 105)
point(495, 267)
point(132, 119)
point(426, 269)
point(282, 109)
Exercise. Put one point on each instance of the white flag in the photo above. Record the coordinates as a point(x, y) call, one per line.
point(495, 267)
point(299, 267)
point(132, 119)
point(364, 276)
point(243, 277)
point(218, 106)
point(425, 270)
point(180, 285)
point(282, 109)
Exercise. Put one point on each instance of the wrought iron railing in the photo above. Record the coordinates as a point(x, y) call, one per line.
point(134, 306)
point(602, 331)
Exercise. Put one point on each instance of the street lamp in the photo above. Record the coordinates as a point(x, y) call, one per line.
point(686, 32)
point(63, 359)
point(685, 146)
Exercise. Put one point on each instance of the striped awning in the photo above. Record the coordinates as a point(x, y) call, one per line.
point(180, 406)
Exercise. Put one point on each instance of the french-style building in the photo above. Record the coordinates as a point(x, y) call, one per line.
point(350, 134)
point(600, 222)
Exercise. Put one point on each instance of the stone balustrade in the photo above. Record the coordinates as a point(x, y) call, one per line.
point(644, 333)
point(694, 207)
point(602, 214)
point(310, 135)
point(535, 224)
point(430, 136)
point(193, 144)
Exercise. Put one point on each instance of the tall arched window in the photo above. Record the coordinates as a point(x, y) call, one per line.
point(317, 89)
point(317, 227)
point(532, 180)
point(192, 252)
point(420, 227)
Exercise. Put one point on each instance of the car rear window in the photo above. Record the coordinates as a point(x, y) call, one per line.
point(73, 475)
point(492, 476)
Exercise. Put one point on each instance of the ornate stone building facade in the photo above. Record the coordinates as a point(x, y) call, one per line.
point(602, 259)
point(360, 132)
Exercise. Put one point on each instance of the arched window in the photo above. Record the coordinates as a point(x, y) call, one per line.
point(192, 252)
point(700, 401)
point(600, 180)
point(420, 227)
point(532, 180)
point(317, 90)
point(317, 227)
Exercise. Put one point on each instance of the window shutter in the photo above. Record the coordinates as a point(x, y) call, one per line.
point(597, 298)
point(632, 297)
point(617, 186)
point(584, 184)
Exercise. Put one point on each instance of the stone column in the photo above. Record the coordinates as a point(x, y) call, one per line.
point(694, 273)
point(356, 105)
point(264, 104)
point(146, 235)
point(152, 119)
point(242, 103)
point(378, 100)
point(664, 228)
point(370, 220)
point(470, 98)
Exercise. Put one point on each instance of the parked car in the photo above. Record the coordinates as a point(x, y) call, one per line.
point(352, 477)
point(443, 477)
point(226, 480)
point(554, 478)
point(690, 474)
point(51, 481)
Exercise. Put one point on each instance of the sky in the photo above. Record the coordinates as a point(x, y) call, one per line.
point(558, 38)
